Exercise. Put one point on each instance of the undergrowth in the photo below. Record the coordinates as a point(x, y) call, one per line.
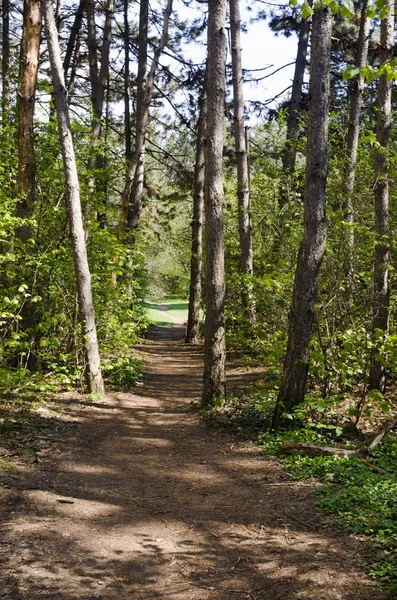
point(123, 372)
point(361, 499)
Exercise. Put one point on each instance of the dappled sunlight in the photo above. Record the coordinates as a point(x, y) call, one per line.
point(145, 502)
point(73, 504)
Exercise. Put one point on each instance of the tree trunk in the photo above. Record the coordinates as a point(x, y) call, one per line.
point(292, 391)
point(132, 193)
point(214, 352)
point(99, 81)
point(381, 301)
point(26, 101)
point(5, 60)
point(83, 277)
point(356, 96)
point(243, 189)
point(73, 41)
point(294, 112)
point(98, 77)
point(196, 262)
point(127, 115)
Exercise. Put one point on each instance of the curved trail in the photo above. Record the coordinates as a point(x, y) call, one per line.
point(141, 501)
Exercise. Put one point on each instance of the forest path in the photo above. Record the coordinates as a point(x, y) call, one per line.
point(141, 501)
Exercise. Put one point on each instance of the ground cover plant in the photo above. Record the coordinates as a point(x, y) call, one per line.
point(358, 492)
point(360, 498)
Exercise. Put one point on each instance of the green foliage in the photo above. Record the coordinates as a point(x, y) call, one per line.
point(40, 330)
point(122, 373)
point(361, 498)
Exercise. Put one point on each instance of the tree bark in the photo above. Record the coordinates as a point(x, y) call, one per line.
point(214, 352)
point(381, 299)
point(99, 81)
point(196, 262)
point(355, 101)
point(133, 188)
point(142, 114)
point(292, 391)
point(294, 112)
point(243, 188)
point(98, 76)
point(26, 102)
point(5, 60)
point(127, 114)
point(73, 42)
point(72, 190)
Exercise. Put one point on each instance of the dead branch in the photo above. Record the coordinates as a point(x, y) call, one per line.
point(362, 452)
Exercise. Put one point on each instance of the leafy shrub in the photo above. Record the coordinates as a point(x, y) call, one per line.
point(122, 372)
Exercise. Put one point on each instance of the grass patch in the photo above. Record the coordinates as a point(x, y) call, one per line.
point(161, 312)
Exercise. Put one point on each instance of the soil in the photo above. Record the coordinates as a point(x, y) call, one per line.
point(134, 498)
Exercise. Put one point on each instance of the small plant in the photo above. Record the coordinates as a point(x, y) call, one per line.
point(122, 372)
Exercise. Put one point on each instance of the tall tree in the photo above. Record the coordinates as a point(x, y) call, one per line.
point(356, 89)
point(72, 192)
point(98, 75)
point(294, 110)
point(311, 252)
point(196, 261)
point(5, 59)
point(73, 45)
point(214, 352)
point(243, 188)
point(127, 115)
point(381, 300)
point(133, 188)
point(26, 103)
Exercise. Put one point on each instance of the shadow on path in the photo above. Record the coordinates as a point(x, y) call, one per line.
point(142, 502)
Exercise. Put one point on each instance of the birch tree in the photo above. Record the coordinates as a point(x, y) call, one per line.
point(214, 352)
point(72, 193)
point(311, 252)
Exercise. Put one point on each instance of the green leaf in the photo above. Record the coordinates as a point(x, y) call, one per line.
point(383, 13)
point(370, 74)
point(347, 12)
point(334, 6)
point(350, 72)
point(306, 10)
point(293, 3)
point(375, 395)
point(370, 13)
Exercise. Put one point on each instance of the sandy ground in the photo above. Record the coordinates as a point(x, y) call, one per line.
point(134, 498)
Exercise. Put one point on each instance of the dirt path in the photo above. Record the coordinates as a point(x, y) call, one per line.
point(141, 501)
point(174, 319)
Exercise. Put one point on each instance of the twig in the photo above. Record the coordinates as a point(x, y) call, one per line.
point(296, 519)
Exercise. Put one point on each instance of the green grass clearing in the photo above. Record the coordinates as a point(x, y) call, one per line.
point(176, 308)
